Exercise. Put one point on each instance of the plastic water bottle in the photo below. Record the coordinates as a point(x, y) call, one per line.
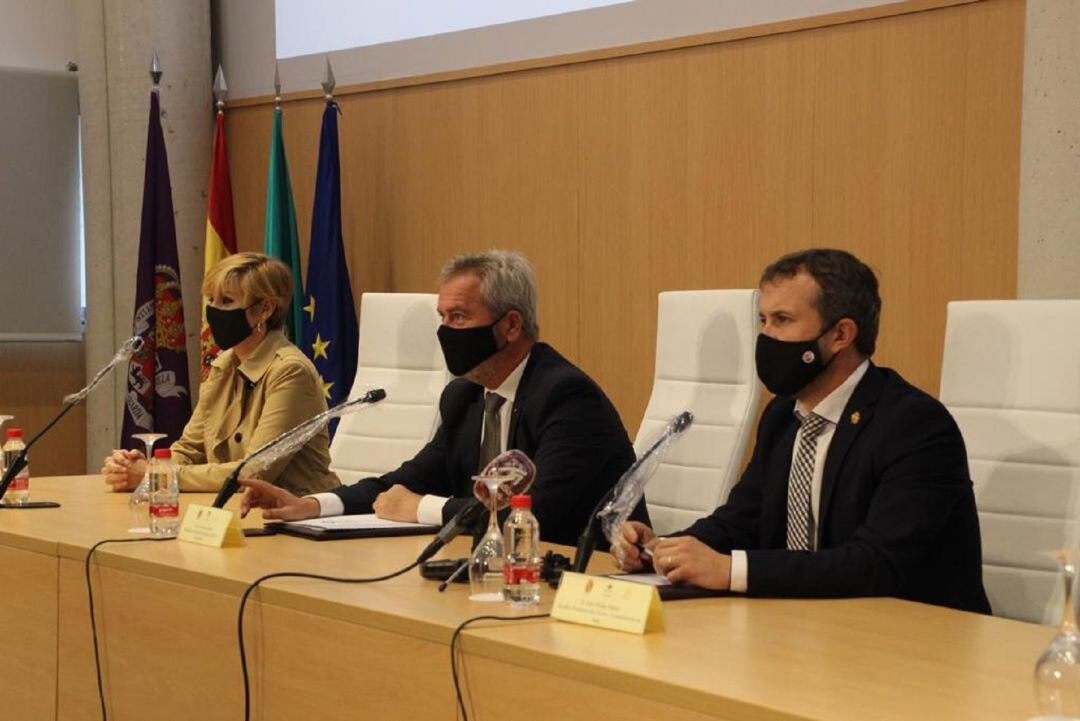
point(164, 495)
point(521, 572)
point(18, 492)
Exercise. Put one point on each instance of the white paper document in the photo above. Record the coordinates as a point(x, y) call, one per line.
point(647, 579)
point(360, 522)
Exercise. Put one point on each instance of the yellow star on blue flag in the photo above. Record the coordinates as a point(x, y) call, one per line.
point(318, 348)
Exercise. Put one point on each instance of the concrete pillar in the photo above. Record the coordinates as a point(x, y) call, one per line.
point(116, 42)
point(1049, 253)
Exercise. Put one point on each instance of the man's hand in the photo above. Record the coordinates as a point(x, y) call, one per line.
point(685, 559)
point(277, 504)
point(625, 549)
point(124, 470)
point(397, 504)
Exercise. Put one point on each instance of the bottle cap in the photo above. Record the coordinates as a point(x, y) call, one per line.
point(163, 453)
point(14, 433)
point(521, 501)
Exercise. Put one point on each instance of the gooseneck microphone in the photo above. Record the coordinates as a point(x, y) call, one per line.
point(293, 439)
point(469, 516)
point(587, 540)
point(628, 491)
point(130, 347)
point(513, 473)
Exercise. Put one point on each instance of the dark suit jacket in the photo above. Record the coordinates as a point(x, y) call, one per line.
point(897, 510)
point(560, 419)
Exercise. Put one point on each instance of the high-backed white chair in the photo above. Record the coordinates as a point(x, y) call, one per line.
point(1011, 378)
point(398, 351)
point(704, 363)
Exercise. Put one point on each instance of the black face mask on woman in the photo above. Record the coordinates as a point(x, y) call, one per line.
point(786, 367)
point(229, 327)
point(466, 348)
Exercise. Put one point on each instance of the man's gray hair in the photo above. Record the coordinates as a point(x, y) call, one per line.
point(506, 283)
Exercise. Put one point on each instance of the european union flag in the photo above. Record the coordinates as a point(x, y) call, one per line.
point(330, 330)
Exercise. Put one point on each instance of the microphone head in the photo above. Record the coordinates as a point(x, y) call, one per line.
point(513, 473)
point(132, 345)
point(228, 488)
point(375, 395)
point(681, 422)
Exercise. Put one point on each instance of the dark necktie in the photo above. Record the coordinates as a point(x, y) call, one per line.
point(800, 483)
point(491, 445)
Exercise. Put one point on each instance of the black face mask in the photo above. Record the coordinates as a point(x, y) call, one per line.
point(228, 326)
point(786, 367)
point(466, 348)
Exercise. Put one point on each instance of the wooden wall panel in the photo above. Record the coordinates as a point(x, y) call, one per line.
point(897, 138)
point(28, 652)
point(34, 378)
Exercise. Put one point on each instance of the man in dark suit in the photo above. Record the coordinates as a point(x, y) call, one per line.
point(513, 392)
point(858, 484)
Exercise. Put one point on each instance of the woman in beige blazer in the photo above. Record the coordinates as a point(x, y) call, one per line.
point(259, 386)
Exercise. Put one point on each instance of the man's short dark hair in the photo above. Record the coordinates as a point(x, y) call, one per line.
point(849, 289)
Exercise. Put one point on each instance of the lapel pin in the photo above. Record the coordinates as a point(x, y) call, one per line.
point(855, 418)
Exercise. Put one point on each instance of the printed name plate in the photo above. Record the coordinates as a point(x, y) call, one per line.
point(608, 603)
point(209, 526)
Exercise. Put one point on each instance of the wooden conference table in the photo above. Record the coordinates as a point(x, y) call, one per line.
point(167, 625)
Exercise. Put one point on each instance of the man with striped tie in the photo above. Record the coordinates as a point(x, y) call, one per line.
point(858, 484)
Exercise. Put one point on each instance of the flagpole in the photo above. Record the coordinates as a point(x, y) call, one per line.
point(220, 222)
point(281, 238)
point(330, 327)
point(157, 397)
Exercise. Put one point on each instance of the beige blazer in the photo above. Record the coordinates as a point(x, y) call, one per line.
point(242, 406)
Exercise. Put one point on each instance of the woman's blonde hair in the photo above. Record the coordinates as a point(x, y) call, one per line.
point(257, 277)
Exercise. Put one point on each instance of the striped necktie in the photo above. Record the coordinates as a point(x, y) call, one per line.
point(800, 483)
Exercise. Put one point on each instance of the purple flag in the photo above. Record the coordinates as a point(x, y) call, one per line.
point(158, 399)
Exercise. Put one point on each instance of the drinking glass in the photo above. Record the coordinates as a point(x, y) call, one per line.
point(139, 503)
point(1057, 673)
point(486, 564)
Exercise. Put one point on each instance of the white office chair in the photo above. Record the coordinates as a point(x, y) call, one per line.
point(1011, 378)
point(704, 363)
point(398, 351)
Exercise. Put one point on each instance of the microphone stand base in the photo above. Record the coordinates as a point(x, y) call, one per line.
point(444, 568)
point(552, 567)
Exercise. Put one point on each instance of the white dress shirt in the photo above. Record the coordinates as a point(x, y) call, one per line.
point(831, 408)
point(430, 509)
